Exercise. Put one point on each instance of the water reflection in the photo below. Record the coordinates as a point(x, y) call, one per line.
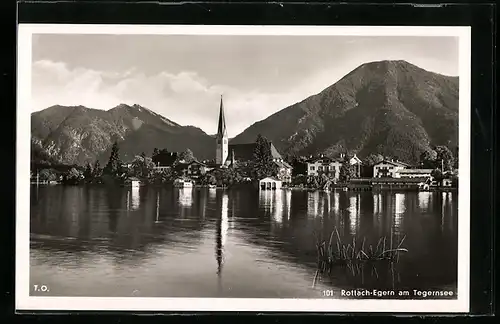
point(277, 204)
point(134, 199)
point(212, 193)
point(354, 211)
point(313, 203)
point(424, 199)
point(165, 241)
point(186, 197)
point(224, 218)
point(288, 201)
point(399, 209)
point(157, 218)
point(336, 202)
point(278, 207)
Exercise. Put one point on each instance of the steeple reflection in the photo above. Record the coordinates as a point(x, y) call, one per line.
point(221, 236)
point(224, 217)
point(157, 218)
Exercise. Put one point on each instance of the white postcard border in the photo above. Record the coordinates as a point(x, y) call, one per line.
point(23, 301)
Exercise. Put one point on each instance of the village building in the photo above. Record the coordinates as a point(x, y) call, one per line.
point(388, 169)
point(357, 164)
point(196, 169)
point(233, 154)
point(327, 166)
point(270, 183)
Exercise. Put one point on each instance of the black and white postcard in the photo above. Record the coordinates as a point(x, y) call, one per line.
point(243, 168)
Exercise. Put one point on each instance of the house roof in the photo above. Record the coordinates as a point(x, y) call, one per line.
point(197, 162)
point(395, 163)
point(422, 171)
point(134, 179)
point(282, 164)
point(356, 159)
point(399, 180)
point(325, 160)
point(244, 152)
point(269, 178)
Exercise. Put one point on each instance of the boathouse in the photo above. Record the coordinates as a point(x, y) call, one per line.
point(270, 183)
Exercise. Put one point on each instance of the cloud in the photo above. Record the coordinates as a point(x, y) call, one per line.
point(185, 97)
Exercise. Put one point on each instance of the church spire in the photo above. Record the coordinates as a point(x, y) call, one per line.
point(221, 129)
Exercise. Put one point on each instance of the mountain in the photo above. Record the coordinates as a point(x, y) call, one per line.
point(77, 135)
point(393, 108)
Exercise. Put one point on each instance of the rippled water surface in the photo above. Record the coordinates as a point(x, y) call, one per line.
point(149, 242)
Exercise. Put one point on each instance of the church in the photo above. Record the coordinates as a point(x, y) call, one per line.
point(230, 154)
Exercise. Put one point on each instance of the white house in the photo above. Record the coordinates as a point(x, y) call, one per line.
point(326, 166)
point(388, 169)
point(270, 183)
point(284, 170)
point(357, 163)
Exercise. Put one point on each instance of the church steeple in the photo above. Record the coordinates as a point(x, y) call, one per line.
point(221, 152)
point(221, 129)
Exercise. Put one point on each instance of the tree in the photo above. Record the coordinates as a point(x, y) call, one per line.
point(88, 173)
point(313, 182)
point(97, 171)
point(73, 176)
point(437, 175)
point(428, 159)
point(262, 163)
point(155, 153)
point(347, 171)
point(373, 159)
point(444, 156)
point(208, 179)
point(142, 166)
point(114, 166)
point(187, 156)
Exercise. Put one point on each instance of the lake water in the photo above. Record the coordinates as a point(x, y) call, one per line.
point(162, 242)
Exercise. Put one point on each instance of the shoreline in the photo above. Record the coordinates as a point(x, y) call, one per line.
point(445, 189)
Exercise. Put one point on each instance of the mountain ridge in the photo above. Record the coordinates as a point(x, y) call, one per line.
point(77, 134)
point(392, 108)
point(401, 110)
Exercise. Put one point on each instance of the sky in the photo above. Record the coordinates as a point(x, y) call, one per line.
point(183, 76)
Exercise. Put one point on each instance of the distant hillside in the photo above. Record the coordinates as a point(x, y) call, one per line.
point(390, 107)
point(78, 134)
